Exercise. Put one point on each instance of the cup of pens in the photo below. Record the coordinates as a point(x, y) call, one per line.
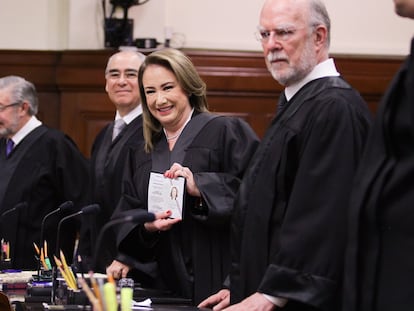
point(103, 296)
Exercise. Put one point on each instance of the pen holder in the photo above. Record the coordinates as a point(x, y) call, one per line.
point(45, 275)
point(77, 297)
point(61, 292)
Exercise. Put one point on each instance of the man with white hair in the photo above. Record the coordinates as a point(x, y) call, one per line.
point(289, 224)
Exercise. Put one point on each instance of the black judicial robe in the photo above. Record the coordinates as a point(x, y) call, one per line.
point(107, 164)
point(380, 255)
point(191, 259)
point(288, 232)
point(45, 169)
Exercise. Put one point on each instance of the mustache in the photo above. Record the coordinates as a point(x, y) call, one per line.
point(276, 56)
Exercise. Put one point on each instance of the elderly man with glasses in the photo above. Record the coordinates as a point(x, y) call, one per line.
point(40, 169)
point(290, 214)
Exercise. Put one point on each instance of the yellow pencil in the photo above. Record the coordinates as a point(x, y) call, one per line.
point(36, 249)
point(42, 260)
point(64, 273)
point(68, 270)
point(45, 248)
point(94, 301)
point(96, 289)
point(8, 250)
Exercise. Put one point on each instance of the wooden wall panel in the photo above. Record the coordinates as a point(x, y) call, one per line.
point(39, 68)
point(73, 99)
point(83, 115)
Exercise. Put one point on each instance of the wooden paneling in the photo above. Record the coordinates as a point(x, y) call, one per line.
point(39, 68)
point(73, 99)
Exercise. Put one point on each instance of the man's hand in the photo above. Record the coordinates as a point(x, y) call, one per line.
point(255, 302)
point(117, 269)
point(218, 301)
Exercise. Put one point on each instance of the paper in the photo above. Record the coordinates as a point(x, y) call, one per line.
point(142, 305)
point(166, 194)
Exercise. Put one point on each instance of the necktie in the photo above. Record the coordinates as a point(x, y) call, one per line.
point(9, 146)
point(118, 126)
point(282, 102)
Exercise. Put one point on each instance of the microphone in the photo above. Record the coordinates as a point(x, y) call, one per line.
point(134, 216)
point(65, 206)
point(87, 210)
point(17, 207)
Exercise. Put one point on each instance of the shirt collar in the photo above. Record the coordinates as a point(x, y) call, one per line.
point(325, 69)
point(26, 129)
point(134, 113)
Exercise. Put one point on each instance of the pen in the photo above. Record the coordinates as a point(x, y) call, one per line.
point(110, 296)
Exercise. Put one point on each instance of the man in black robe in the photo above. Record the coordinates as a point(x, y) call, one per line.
point(108, 155)
point(43, 169)
point(380, 255)
point(289, 225)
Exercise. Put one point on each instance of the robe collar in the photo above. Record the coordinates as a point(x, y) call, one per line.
point(131, 116)
point(25, 130)
point(324, 69)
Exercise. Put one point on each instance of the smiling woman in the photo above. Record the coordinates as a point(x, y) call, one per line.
point(188, 256)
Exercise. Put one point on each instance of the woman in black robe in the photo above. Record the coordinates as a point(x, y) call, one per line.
point(189, 257)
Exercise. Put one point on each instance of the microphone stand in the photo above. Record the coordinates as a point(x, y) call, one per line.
point(90, 209)
point(64, 206)
point(135, 216)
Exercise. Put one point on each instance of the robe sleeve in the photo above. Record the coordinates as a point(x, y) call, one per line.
point(218, 188)
point(134, 195)
point(72, 170)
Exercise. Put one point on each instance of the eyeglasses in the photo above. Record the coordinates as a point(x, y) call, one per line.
point(278, 34)
point(3, 107)
point(128, 74)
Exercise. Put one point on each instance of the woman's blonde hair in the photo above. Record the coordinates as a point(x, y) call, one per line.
point(188, 78)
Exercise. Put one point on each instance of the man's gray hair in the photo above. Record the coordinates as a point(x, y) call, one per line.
point(21, 90)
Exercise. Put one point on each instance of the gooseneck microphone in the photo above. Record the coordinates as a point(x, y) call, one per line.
point(16, 208)
point(65, 206)
point(87, 210)
point(138, 216)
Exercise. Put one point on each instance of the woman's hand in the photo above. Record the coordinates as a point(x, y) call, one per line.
point(162, 222)
point(178, 170)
